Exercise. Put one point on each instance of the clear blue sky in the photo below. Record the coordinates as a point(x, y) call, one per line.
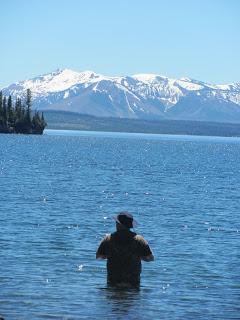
point(176, 38)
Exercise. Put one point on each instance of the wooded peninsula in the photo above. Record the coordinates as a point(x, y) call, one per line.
point(17, 116)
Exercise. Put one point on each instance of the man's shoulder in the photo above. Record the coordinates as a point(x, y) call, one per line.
point(107, 237)
point(140, 239)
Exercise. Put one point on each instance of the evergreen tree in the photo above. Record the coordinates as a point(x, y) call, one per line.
point(38, 123)
point(28, 120)
point(1, 101)
point(27, 117)
point(10, 112)
point(20, 117)
point(21, 109)
point(1, 108)
point(17, 108)
point(29, 99)
point(44, 123)
point(4, 110)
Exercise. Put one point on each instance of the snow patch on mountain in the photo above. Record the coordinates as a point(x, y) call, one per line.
point(189, 85)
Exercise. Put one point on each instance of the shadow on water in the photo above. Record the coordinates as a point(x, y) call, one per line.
point(122, 301)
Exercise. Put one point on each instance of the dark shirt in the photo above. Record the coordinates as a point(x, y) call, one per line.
point(124, 250)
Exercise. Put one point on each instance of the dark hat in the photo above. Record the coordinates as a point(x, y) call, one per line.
point(125, 219)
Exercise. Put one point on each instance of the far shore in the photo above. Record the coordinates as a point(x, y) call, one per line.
point(115, 134)
point(63, 120)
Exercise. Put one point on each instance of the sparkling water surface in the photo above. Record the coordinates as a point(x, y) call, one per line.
point(58, 194)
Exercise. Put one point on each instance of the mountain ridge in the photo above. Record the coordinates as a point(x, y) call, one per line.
point(140, 96)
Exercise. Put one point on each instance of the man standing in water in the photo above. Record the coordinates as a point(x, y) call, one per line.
point(124, 251)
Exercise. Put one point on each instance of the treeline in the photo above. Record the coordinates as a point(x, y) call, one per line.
point(17, 116)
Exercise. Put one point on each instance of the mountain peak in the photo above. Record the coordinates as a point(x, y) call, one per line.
point(149, 77)
point(65, 73)
point(186, 79)
point(58, 80)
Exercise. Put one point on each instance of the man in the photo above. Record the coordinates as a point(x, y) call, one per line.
point(124, 251)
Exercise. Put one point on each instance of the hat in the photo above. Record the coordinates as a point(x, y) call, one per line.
point(125, 219)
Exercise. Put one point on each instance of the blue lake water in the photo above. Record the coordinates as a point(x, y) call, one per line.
point(58, 194)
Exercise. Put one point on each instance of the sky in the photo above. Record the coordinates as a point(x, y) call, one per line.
point(187, 38)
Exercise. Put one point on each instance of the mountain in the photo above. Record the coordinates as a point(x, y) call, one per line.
point(141, 96)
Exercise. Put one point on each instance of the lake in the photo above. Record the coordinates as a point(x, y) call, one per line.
point(58, 195)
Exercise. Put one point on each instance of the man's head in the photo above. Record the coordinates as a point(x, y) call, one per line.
point(124, 220)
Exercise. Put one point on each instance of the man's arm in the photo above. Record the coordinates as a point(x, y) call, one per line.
point(145, 251)
point(148, 258)
point(102, 249)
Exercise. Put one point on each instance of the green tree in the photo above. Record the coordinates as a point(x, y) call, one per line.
point(10, 112)
point(27, 117)
point(38, 123)
point(1, 100)
point(20, 117)
point(4, 107)
point(1, 108)
point(19, 109)
point(29, 99)
point(44, 123)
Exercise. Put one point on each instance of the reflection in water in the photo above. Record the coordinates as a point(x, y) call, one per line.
point(121, 301)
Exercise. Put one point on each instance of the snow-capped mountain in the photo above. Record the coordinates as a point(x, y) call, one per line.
point(146, 96)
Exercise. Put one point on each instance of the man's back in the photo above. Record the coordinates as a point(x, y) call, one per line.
point(124, 250)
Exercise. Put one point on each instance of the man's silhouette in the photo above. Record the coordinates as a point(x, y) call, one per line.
point(124, 251)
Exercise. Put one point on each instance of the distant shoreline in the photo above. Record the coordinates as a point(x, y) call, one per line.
point(63, 120)
point(113, 134)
